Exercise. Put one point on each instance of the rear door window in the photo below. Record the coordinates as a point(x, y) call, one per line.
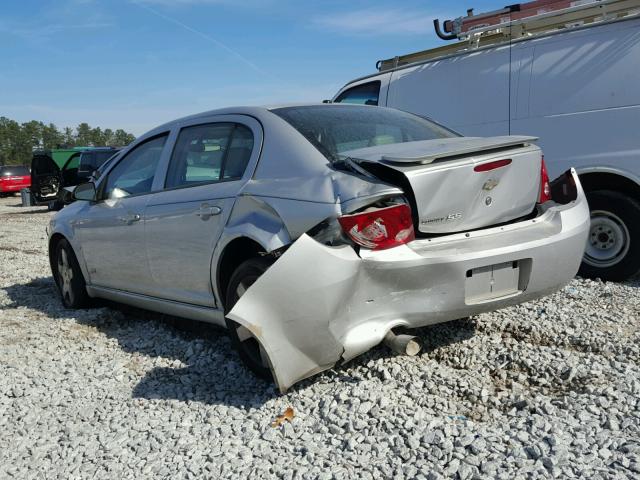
point(364, 94)
point(209, 153)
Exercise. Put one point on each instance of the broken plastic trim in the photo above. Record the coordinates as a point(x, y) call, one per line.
point(284, 327)
point(564, 189)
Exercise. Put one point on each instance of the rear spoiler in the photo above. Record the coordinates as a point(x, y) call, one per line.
point(493, 145)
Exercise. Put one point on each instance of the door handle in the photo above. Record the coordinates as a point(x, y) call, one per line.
point(130, 218)
point(205, 211)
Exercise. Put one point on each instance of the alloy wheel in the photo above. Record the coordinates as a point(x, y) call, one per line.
point(65, 276)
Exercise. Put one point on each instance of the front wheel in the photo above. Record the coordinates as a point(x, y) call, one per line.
point(251, 352)
point(68, 276)
point(613, 247)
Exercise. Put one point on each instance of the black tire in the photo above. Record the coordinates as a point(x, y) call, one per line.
point(613, 247)
point(68, 277)
point(55, 206)
point(248, 348)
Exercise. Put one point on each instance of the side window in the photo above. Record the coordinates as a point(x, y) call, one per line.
point(134, 174)
point(87, 163)
point(73, 162)
point(239, 153)
point(101, 157)
point(209, 153)
point(365, 94)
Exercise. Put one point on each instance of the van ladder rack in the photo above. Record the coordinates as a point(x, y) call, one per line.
point(515, 22)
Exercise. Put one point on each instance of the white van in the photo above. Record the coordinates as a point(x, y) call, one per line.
point(577, 89)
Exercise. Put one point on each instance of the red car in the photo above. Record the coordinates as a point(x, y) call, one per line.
point(13, 178)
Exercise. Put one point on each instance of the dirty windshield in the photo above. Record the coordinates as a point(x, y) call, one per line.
point(334, 129)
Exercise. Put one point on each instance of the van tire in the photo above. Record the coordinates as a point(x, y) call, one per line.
point(613, 247)
point(249, 349)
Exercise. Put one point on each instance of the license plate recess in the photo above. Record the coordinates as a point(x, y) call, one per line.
point(491, 282)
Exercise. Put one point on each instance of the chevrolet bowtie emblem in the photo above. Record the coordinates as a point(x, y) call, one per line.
point(490, 184)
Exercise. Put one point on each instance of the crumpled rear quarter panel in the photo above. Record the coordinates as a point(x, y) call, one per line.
point(317, 305)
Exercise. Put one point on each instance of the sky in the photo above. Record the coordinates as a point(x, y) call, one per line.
point(135, 64)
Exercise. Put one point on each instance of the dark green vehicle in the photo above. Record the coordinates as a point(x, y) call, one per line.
point(54, 170)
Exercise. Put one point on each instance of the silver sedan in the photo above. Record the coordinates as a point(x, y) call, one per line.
point(315, 232)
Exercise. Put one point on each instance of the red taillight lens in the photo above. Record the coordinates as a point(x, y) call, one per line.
point(380, 228)
point(485, 167)
point(545, 188)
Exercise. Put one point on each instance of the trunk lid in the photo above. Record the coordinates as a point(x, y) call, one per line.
point(454, 185)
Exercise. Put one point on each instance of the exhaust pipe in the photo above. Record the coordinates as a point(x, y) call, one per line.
point(402, 344)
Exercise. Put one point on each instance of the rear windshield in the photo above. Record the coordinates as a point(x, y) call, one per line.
point(334, 129)
point(13, 171)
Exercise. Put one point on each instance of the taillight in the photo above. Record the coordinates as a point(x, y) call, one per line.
point(545, 188)
point(380, 228)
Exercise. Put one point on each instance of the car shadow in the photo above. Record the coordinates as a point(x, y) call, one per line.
point(633, 281)
point(31, 212)
point(203, 353)
point(203, 356)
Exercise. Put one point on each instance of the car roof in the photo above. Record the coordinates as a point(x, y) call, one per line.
point(258, 112)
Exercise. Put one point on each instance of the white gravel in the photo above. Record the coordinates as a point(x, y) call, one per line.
point(549, 388)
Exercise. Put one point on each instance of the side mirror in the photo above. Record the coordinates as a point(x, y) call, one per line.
point(85, 191)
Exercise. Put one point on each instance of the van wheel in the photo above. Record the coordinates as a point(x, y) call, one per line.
point(613, 246)
point(68, 277)
point(251, 352)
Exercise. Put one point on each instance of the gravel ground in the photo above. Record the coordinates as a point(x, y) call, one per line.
point(546, 389)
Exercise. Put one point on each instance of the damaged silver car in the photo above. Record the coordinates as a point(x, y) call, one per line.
point(313, 231)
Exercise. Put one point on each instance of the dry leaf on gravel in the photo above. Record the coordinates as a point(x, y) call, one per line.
point(280, 419)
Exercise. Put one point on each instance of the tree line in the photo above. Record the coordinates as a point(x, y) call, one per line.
point(19, 140)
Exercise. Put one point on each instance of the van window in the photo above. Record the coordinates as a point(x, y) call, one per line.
point(364, 94)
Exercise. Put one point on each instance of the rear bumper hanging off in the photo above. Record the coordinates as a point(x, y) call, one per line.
point(318, 305)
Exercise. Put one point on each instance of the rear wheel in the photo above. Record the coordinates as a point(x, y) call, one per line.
point(68, 276)
point(251, 352)
point(613, 247)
